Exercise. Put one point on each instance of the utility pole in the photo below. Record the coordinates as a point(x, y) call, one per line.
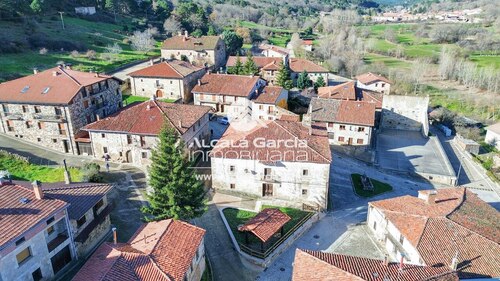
point(62, 20)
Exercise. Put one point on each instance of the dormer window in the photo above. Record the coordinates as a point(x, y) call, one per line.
point(46, 90)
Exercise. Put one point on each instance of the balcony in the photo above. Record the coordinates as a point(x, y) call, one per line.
point(159, 86)
point(58, 240)
point(48, 117)
point(269, 177)
point(13, 116)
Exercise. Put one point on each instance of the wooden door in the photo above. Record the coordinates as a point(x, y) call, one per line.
point(128, 155)
point(159, 93)
point(350, 141)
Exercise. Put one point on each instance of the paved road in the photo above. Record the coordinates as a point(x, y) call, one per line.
point(122, 73)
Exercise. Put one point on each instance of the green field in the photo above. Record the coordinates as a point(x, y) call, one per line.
point(253, 25)
point(390, 62)
point(93, 35)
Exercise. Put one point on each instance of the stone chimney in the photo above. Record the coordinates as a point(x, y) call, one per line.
point(454, 262)
point(35, 70)
point(115, 239)
point(386, 260)
point(186, 34)
point(37, 189)
point(429, 196)
point(199, 82)
point(148, 107)
point(96, 74)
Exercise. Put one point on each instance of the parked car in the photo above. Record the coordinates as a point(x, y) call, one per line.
point(224, 120)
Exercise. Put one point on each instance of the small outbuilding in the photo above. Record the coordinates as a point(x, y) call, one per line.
point(265, 225)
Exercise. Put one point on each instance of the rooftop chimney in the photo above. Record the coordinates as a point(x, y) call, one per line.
point(37, 189)
point(55, 73)
point(386, 260)
point(115, 240)
point(454, 262)
point(148, 107)
point(186, 34)
point(179, 33)
point(35, 71)
point(97, 117)
point(96, 74)
point(180, 123)
point(199, 82)
point(401, 262)
point(429, 196)
point(151, 62)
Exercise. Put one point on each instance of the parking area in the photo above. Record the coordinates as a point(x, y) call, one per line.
point(409, 151)
point(217, 128)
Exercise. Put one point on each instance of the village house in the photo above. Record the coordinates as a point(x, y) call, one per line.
point(172, 80)
point(314, 71)
point(305, 44)
point(265, 105)
point(268, 66)
point(40, 245)
point(347, 122)
point(349, 91)
point(228, 94)
point(49, 108)
point(129, 135)
point(280, 162)
point(373, 82)
point(274, 51)
point(493, 135)
point(316, 265)
point(450, 227)
point(200, 51)
point(167, 250)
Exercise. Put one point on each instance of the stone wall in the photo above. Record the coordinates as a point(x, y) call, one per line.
point(405, 113)
point(216, 57)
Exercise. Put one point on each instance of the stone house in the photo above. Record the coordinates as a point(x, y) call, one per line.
point(49, 108)
point(166, 80)
point(450, 227)
point(268, 66)
point(129, 135)
point(227, 94)
point(373, 82)
point(493, 135)
point(314, 71)
point(318, 265)
point(347, 122)
point(167, 250)
point(201, 51)
point(279, 162)
point(265, 105)
point(41, 245)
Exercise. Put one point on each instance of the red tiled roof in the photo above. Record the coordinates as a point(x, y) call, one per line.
point(299, 65)
point(308, 42)
point(269, 95)
point(343, 111)
point(149, 117)
point(316, 265)
point(191, 43)
point(17, 217)
point(266, 223)
point(372, 97)
point(160, 250)
point(457, 221)
point(266, 63)
point(226, 84)
point(309, 147)
point(344, 91)
point(167, 69)
point(62, 88)
point(369, 78)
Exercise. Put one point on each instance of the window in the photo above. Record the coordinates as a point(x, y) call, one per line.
point(50, 230)
point(37, 109)
point(361, 129)
point(305, 172)
point(51, 220)
point(342, 127)
point(143, 141)
point(401, 239)
point(330, 125)
point(144, 155)
point(86, 103)
point(374, 225)
point(41, 125)
point(98, 205)
point(81, 221)
point(231, 168)
point(20, 241)
point(105, 149)
point(23, 255)
point(25, 108)
point(232, 186)
point(54, 140)
point(383, 85)
point(39, 139)
point(62, 131)
point(57, 111)
point(129, 139)
point(10, 126)
point(359, 141)
point(5, 108)
point(341, 139)
point(261, 107)
point(103, 136)
point(37, 275)
point(29, 124)
point(304, 191)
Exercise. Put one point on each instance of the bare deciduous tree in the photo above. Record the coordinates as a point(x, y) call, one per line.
point(143, 41)
point(171, 26)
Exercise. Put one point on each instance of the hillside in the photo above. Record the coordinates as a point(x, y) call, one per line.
point(42, 44)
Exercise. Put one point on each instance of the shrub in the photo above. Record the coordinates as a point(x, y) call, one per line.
point(43, 51)
point(74, 54)
point(91, 172)
point(91, 54)
point(488, 163)
point(126, 41)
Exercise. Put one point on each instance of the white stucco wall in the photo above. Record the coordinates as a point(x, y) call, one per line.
point(379, 86)
point(350, 131)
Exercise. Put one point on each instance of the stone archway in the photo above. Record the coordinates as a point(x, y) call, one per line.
point(159, 93)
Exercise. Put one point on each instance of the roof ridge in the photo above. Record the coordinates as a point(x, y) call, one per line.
point(155, 264)
point(167, 63)
point(459, 205)
point(166, 117)
point(421, 235)
point(298, 137)
point(31, 190)
point(69, 76)
point(109, 268)
point(161, 236)
point(403, 213)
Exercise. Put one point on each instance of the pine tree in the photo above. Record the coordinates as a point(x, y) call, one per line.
point(177, 193)
point(303, 80)
point(36, 6)
point(238, 66)
point(250, 68)
point(283, 77)
point(320, 82)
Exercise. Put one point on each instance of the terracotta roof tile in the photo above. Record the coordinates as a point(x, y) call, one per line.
point(226, 84)
point(372, 97)
point(148, 117)
point(315, 265)
point(266, 63)
point(344, 91)
point(343, 111)
point(60, 88)
point(269, 95)
point(369, 78)
point(309, 147)
point(266, 223)
point(167, 69)
point(158, 251)
point(191, 43)
point(458, 221)
point(299, 65)
point(17, 217)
